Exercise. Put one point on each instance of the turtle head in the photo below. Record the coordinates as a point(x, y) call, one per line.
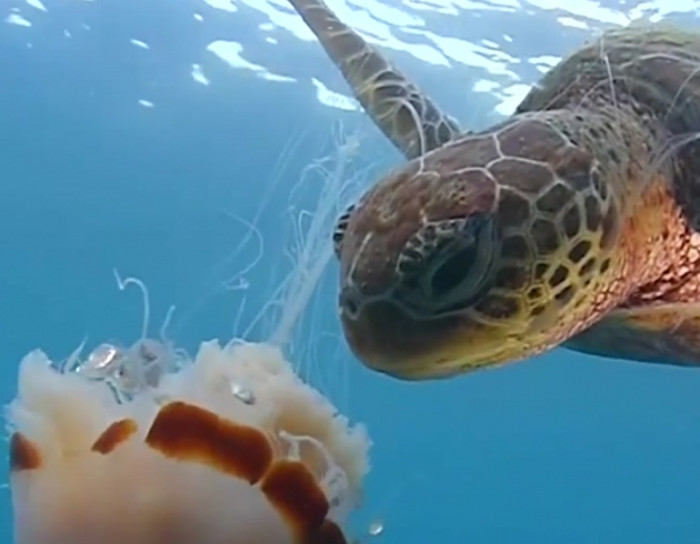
point(481, 252)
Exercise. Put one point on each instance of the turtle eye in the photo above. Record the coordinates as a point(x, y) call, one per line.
point(460, 269)
point(450, 274)
point(340, 227)
point(448, 264)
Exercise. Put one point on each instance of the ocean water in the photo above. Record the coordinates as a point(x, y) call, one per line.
point(148, 136)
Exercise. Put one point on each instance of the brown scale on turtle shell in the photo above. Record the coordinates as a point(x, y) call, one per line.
point(574, 222)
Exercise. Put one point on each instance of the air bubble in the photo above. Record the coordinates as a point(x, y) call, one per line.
point(102, 362)
point(245, 395)
point(376, 528)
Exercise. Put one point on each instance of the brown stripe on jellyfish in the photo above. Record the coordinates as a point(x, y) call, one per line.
point(327, 533)
point(24, 454)
point(116, 434)
point(187, 432)
point(294, 492)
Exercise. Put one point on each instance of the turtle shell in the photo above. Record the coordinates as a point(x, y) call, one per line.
point(654, 70)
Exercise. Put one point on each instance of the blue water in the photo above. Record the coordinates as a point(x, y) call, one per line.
point(564, 448)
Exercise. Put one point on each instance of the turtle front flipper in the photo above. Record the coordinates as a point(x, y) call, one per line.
point(413, 123)
point(665, 334)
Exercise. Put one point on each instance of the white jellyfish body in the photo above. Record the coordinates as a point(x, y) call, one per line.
point(186, 461)
point(145, 445)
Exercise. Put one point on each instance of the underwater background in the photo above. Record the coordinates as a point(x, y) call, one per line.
point(147, 137)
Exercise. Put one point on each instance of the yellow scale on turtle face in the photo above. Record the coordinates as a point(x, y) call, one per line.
point(574, 222)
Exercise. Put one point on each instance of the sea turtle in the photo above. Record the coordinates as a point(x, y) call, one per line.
point(572, 223)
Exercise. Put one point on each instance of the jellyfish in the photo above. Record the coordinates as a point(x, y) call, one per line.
point(147, 445)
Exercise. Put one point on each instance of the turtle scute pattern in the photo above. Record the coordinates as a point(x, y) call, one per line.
point(552, 205)
point(512, 235)
point(651, 71)
point(557, 219)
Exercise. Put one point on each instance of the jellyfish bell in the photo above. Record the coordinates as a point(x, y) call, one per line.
point(192, 459)
point(147, 445)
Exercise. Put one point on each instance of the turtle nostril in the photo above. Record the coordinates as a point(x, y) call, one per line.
point(349, 302)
